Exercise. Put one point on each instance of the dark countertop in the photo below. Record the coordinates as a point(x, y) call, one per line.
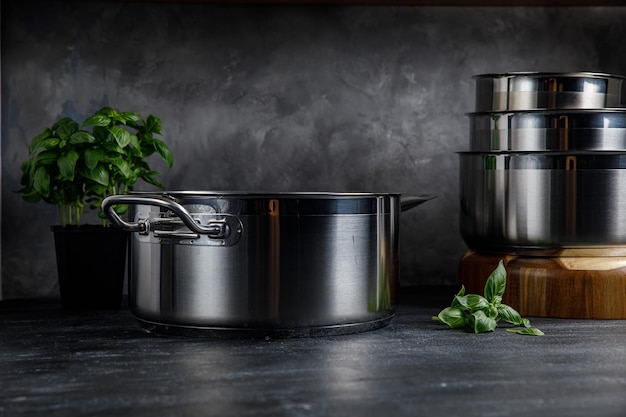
point(56, 363)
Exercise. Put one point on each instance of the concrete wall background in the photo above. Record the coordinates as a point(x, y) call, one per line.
point(280, 98)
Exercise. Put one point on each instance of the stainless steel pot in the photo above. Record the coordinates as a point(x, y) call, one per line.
point(542, 201)
point(252, 264)
point(560, 130)
point(542, 90)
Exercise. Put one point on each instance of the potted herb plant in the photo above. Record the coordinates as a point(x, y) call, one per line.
point(74, 167)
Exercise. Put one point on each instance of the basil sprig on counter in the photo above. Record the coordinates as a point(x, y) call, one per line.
point(481, 314)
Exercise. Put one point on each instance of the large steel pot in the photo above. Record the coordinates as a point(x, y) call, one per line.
point(544, 90)
point(531, 201)
point(252, 264)
point(555, 130)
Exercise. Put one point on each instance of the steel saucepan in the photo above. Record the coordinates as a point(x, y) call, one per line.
point(543, 90)
point(538, 201)
point(228, 264)
point(575, 130)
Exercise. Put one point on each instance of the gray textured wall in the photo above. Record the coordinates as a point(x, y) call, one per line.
point(280, 98)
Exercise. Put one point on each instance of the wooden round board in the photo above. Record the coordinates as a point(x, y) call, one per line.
point(586, 287)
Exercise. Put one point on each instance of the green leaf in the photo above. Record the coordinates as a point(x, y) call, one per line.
point(65, 128)
point(472, 302)
point(67, 164)
point(49, 143)
point(82, 136)
point(529, 331)
point(31, 196)
point(46, 158)
point(95, 188)
point(66, 125)
point(97, 120)
point(123, 167)
point(131, 117)
point(510, 315)
point(98, 174)
point(153, 124)
point(122, 137)
point(151, 178)
point(41, 181)
point(481, 323)
point(108, 112)
point(492, 311)
point(93, 157)
point(27, 167)
point(134, 143)
point(35, 143)
point(453, 317)
point(496, 284)
point(164, 151)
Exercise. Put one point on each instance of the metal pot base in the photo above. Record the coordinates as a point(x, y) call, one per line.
point(264, 333)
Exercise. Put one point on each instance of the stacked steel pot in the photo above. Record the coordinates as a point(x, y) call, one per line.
point(546, 167)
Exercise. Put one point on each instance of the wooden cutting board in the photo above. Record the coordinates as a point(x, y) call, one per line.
point(586, 287)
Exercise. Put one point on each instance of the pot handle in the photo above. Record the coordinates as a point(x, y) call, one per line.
point(160, 201)
point(408, 202)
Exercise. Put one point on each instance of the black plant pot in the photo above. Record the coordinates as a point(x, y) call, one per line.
point(91, 263)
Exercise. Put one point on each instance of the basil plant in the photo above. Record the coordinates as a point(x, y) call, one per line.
point(480, 314)
point(75, 167)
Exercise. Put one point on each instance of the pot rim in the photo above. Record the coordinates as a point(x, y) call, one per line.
point(269, 194)
point(539, 74)
point(550, 112)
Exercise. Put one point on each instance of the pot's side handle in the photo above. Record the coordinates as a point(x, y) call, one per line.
point(408, 202)
point(143, 227)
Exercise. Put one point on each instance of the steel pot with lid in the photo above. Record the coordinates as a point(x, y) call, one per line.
point(546, 90)
point(229, 264)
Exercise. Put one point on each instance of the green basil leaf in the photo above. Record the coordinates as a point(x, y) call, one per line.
point(81, 136)
point(496, 284)
point(472, 302)
point(492, 312)
point(97, 120)
point(530, 331)
point(134, 143)
point(64, 128)
point(41, 181)
point(151, 178)
point(122, 137)
point(453, 317)
point(510, 315)
point(49, 143)
point(153, 124)
point(108, 112)
point(164, 151)
point(37, 140)
point(46, 158)
point(481, 323)
point(122, 166)
point(98, 174)
point(66, 125)
point(93, 157)
point(131, 117)
point(67, 164)
point(27, 168)
point(96, 189)
point(30, 196)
